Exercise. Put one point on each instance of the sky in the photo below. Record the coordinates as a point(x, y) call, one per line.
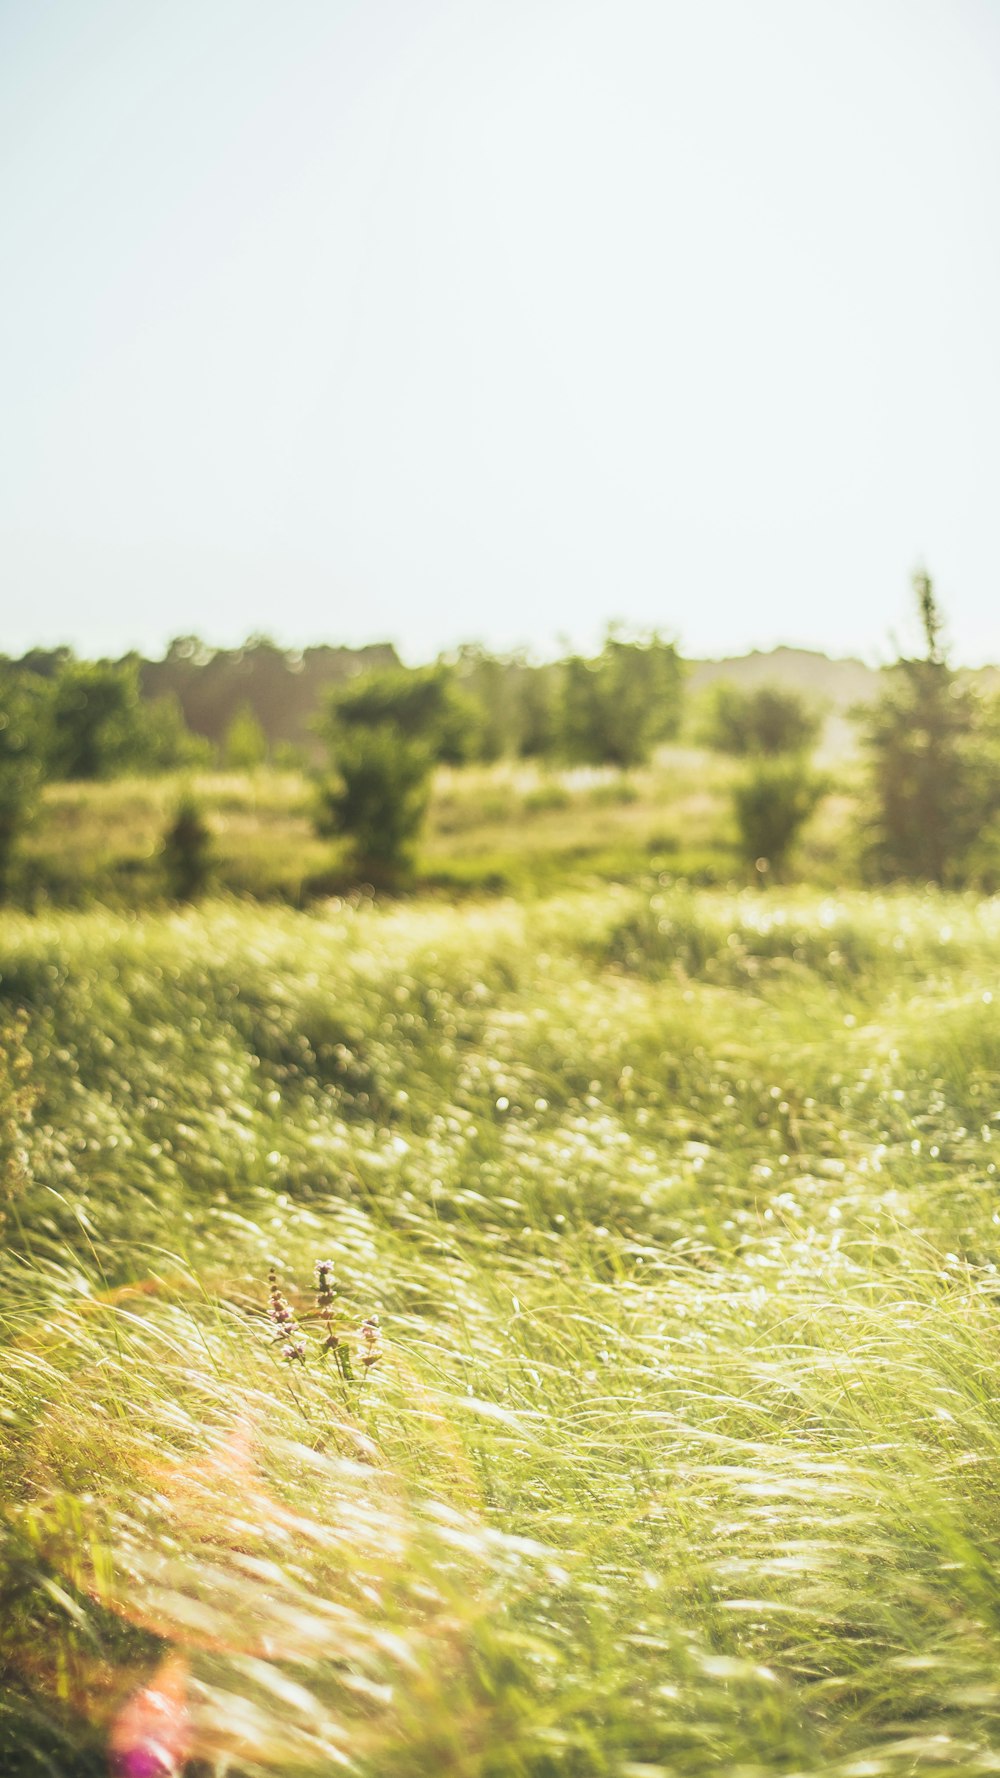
point(496, 320)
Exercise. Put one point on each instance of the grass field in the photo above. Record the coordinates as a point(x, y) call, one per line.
point(680, 1213)
point(512, 828)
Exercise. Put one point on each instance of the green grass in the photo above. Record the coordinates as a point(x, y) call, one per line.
point(680, 1212)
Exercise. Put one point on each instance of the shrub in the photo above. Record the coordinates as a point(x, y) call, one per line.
point(378, 798)
point(187, 852)
point(766, 719)
point(772, 803)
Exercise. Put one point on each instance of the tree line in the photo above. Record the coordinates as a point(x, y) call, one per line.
point(371, 731)
point(64, 719)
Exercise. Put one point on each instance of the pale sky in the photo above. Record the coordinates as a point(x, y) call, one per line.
point(438, 320)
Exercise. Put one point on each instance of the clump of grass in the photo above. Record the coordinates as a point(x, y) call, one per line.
point(18, 1097)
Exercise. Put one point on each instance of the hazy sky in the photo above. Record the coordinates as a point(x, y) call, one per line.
point(451, 319)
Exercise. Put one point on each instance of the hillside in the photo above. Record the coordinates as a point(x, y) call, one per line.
point(839, 684)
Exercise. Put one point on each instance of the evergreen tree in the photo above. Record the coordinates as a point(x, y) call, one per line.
point(244, 746)
point(930, 795)
point(187, 851)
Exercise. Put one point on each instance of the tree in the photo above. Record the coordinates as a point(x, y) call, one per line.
point(764, 719)
point(101, 726)
point(24, 712)
point(931, 790)
point(386, 732)
point(486, 681)
point(244, 745)
point(377, 797)
point(618, 705)
point(772, 804)
point(422, 704)
point(164, 742)
point(95, 719)
point(538, 711)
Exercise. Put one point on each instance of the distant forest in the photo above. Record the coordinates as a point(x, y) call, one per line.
point(275, 702)
point(283, 688)
point(522, 707)
point(362, 733)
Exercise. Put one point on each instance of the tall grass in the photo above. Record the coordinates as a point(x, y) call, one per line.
point(680, 1216)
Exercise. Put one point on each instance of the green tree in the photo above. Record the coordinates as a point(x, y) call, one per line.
point(771, 805)
point(24, 715)
point(164, 742)
point(95, 719)
point(377, 798)
point(932, 789)
point(538, 711)
point(101, 727)
point(515, 703)
point(764, 719)
point(486, 680)
point(617, 706)
point(244, 745)
point(422, 704)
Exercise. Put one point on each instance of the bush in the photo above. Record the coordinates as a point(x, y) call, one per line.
point(187, 852)
point(765, 720)
point(378, 798)
point(772, 803)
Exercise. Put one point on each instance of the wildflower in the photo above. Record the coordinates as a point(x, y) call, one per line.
point(371, 1341)
point(326, 1291)
point(286, 1328)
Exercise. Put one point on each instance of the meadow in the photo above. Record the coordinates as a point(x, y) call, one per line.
point(679, 1454)
point(514, 827)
